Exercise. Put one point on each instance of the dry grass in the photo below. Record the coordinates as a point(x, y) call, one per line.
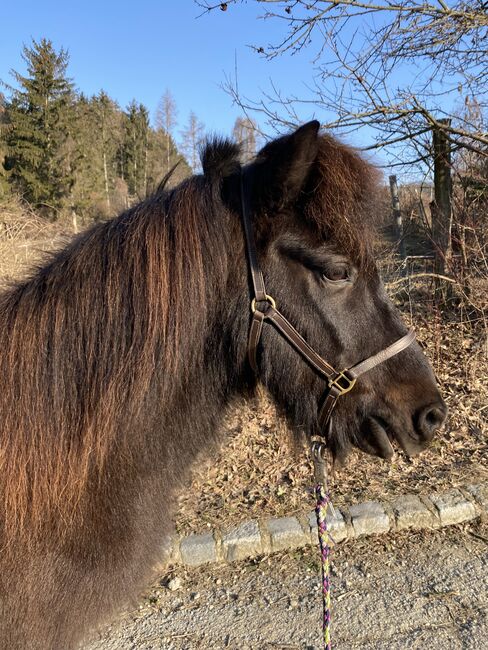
point(24, 237)
point(258, 473)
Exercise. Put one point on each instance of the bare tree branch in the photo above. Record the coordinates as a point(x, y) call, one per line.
point(397, 67)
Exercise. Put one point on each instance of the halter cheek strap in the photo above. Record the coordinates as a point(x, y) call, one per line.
point(263, 308)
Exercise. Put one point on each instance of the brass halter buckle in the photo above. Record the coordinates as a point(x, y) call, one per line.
point(342, 382)
point(269, 299)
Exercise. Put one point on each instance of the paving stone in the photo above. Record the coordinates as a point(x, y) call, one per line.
point(480, 494)
point(286, 533)
point(242, 542)
point(366, 518)
point(336, 525)
point(369, 518)
point(453, 507)
point(198, 549)
point(411, 512)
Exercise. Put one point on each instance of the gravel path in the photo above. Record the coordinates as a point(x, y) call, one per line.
point(425, 590)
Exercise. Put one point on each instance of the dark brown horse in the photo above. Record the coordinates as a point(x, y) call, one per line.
point(119, 357)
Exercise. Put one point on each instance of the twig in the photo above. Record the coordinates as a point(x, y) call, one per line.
point(421, 275)
point(481, 537)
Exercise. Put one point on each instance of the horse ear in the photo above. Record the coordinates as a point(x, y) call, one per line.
point(282, 166)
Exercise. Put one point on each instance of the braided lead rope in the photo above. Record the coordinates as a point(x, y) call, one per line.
point(322, 502)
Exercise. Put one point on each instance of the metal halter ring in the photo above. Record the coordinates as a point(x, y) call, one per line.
point(342, 382)
point(269, 299)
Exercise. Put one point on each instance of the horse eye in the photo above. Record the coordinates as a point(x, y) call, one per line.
point(336, 273)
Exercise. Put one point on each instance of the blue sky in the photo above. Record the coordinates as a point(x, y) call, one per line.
point(138, 49)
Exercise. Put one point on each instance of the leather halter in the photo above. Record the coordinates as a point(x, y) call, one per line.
point(263, 308)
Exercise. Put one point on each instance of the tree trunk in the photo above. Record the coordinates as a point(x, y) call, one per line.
point(105, 175)
point(397, 216)
point(145, 167)
point(441, 207)
point(167, 152)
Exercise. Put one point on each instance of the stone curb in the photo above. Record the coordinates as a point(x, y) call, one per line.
point(253, 538)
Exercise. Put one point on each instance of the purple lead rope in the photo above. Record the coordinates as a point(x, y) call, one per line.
point(322, 502)
point(319, 452)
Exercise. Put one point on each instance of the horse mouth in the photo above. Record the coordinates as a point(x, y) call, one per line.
point(379, 438)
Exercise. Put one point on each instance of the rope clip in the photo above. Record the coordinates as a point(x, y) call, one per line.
point(319, 451)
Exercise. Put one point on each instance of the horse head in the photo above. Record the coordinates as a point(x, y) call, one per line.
point(311, 204)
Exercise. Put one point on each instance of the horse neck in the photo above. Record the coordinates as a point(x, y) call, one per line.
point(185, 411)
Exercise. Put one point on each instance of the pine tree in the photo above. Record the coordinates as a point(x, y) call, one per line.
point(99, 127)
point(3, 148)
point(104, 110)
point(40, 112)
point(87, 184)
point(136, 150)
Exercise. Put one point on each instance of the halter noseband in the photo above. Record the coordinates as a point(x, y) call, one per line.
point(263, 308)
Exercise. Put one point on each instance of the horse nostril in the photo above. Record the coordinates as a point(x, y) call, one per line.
point(429, 419)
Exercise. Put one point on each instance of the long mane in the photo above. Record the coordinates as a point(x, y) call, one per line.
point(79, 342)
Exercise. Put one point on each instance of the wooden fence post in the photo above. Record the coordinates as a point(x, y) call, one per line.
point(397, 215)
point(441, 206)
